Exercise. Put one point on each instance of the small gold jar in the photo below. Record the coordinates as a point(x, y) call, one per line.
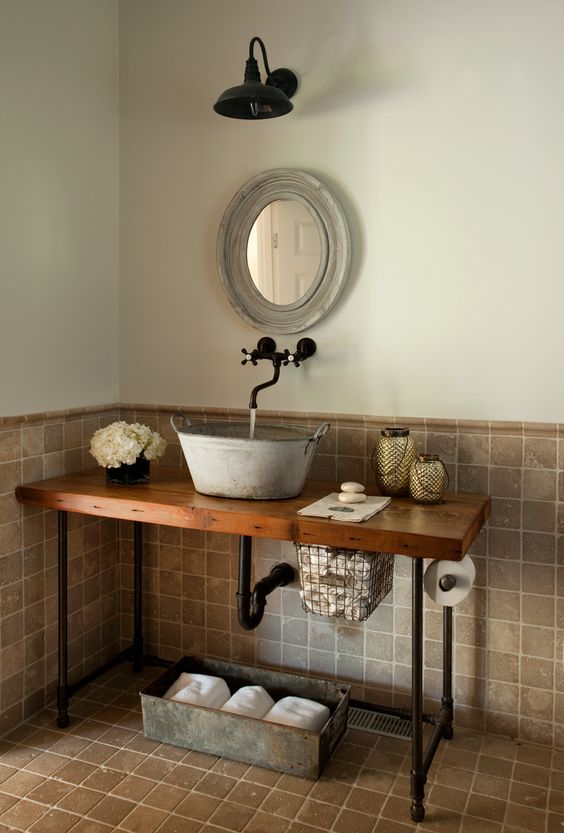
point(392, 459)
point(428, 479)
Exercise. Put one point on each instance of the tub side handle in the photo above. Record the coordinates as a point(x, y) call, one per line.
point(183, 417)
point(321, 431)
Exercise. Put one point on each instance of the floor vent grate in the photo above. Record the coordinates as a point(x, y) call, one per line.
point(380, 724)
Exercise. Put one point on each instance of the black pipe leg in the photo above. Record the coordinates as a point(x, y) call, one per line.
point(447, 701)
point(137, 596)
point(62, 682)
point(418, 777)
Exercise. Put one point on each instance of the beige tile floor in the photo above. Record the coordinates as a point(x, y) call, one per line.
point(101, 774)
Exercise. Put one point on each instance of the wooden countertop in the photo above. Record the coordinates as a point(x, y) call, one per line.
point(443, 531)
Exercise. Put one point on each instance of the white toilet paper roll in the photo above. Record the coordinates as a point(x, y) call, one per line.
point(463, 573)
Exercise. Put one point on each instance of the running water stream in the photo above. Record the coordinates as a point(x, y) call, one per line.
point(252, 421)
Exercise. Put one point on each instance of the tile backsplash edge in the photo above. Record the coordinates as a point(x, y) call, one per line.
point(432, 424)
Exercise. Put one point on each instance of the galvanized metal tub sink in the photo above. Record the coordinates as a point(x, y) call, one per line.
point(225, 462)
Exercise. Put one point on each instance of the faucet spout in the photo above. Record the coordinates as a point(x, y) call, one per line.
point(257, 388)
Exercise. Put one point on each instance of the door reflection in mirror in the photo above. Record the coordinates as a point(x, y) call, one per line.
point(284, 251)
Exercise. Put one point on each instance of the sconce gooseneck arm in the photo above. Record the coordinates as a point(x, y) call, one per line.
point(258, 40)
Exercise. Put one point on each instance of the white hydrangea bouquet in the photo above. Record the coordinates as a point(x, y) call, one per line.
point(122, 445)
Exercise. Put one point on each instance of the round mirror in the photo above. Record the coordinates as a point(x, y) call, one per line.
point(283, 251)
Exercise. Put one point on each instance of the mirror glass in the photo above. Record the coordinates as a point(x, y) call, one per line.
point(284, 251)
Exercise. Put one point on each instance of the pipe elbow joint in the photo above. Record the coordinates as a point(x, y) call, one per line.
point(251, 605)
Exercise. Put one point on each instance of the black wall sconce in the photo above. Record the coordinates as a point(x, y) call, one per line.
point(254, 100)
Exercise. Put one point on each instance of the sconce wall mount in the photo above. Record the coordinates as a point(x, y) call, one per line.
point(254, 100)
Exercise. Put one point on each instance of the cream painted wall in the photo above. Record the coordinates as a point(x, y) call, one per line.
point(439, 125)
point(58, 204)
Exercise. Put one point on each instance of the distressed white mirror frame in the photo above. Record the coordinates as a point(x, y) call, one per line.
point(236, 225)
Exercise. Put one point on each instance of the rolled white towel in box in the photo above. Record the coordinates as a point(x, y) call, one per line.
point(199, 690)
point(250, 700)
point(180, 682)
point(299, 712)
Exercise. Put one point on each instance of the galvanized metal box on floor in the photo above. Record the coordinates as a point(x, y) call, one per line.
point(240, 738)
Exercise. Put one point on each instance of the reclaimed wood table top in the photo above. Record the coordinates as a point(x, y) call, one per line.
point(444, 531)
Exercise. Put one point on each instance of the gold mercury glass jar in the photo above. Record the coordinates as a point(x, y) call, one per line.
point(428, 479)
point(392, 459)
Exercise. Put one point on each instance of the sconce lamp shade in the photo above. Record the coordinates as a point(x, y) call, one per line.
point(254, 100)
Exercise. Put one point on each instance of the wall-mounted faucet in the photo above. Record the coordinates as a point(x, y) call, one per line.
point(266, 349)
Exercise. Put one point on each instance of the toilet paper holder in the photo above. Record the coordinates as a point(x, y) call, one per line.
point(447, 582)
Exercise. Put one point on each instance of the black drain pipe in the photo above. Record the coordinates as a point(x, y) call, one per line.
point(251, 605)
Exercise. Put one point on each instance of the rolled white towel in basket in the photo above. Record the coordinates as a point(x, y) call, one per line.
point(357, 608)
point(199, 690)
point(299, 712)
point(354, 565)
point(326, 600)
point(357, 585)
point(250, 700)
point(320, 565)
point(322, 606)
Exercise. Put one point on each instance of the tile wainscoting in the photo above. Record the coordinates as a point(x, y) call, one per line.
point(32, 448)
point(509, 633)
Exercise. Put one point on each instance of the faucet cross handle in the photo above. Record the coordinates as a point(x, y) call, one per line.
point(248, 357)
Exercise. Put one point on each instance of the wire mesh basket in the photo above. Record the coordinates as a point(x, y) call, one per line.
point(339, 582)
